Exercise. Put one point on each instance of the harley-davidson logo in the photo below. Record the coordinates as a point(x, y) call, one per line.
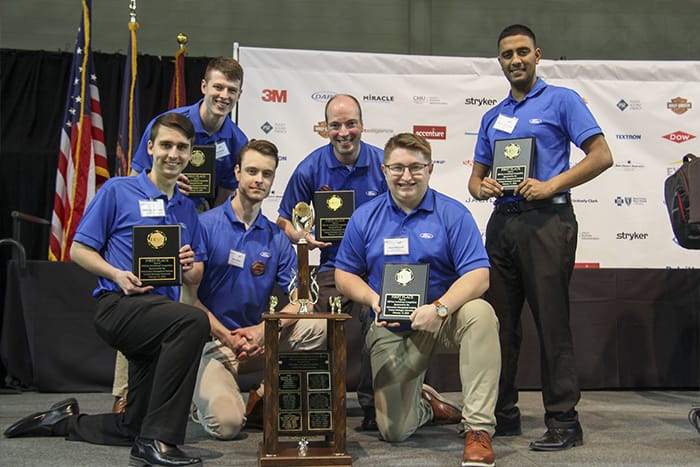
point(679, 105)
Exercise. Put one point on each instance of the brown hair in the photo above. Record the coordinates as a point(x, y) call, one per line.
point(173, 120)
point(409, 141)
point(264, 147)
point(228, 66)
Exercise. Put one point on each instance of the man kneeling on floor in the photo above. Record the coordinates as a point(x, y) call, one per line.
point(412, 223)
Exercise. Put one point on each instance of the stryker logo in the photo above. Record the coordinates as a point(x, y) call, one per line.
point(679, 105)
point(679, 136)
point(629, 137)
point(322, 96)
point(480, 101)
point(632, 236)
point(378, 99)
point(274, 95)
point(266, 127)
point(431, 132)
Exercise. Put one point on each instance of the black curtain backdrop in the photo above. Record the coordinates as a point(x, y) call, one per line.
point(33, 87)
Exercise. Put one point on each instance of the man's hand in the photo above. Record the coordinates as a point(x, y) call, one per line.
point(425, 318)
point(130, 284)
point(489, 188)
point(381, 324)
point(183, 184)
point(532, 189)
point(249, 341)
point(186, 255)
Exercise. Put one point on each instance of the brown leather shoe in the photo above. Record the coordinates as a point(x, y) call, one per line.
point(444, 411)
point(477, 450)
point(254, 410)
point(119, 404)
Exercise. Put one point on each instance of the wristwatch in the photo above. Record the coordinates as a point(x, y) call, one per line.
point(441, 309)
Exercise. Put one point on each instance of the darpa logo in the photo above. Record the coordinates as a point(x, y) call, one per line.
point(679, 105)
point(430, 132)
point(323, 96)
point(274, 95)
point(679, 136)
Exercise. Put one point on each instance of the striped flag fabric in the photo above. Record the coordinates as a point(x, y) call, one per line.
point(82, 158)
point(177, 91)
point(129, 122)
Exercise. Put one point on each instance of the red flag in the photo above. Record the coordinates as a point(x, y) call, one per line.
point(129, 127)
point(177, 91)
point(82, 159)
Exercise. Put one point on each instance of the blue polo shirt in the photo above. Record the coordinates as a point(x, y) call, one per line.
point(440, 231)
point(107, 222)
point(554, 115)
point(229, 140)
point(321, 169)
point(243, 266)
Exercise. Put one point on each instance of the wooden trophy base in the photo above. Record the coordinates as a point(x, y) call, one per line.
point(317, 454)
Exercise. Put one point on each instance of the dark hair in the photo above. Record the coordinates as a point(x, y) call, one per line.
point(409, 141)
point(325, 112)
point(264, 147)
point(175, 121)
point(228, 66)
point(516, 30)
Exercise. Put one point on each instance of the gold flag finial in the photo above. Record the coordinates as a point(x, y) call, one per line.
point(182, 39)
point(132, 11)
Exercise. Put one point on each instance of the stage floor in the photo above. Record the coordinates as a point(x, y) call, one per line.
point(621, 428)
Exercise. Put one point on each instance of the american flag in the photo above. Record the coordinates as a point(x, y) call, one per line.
point(82, 159)
point(129, 121)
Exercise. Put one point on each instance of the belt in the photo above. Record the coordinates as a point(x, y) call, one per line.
point(516, 207)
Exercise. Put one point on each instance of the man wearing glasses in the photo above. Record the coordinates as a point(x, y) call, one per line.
point(413, 223)
point(346, 163)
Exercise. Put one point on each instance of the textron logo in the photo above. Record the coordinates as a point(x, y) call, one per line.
point(629, 137)
point(274, 95)
point(632, 236)
point(323, 96)
point(679, 136)
point(430, 132)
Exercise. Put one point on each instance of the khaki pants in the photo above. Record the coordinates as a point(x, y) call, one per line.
point(220, 405)
point(400, 360)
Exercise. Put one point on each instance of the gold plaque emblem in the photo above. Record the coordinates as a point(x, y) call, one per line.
point(404, 276)
point(156, 239)
point(511, 151)
point(198, 158)
point(334, 203)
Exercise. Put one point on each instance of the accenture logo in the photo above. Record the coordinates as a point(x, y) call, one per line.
point(679, 136)
point(430, 132)
point(323, 96)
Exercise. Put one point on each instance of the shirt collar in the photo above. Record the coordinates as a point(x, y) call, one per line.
point(231, 215)
point(152, 191)
point(362, 158)
point(427, 204)
point(539, 86)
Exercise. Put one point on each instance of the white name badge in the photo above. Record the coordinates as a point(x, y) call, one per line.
point(236, 258)
point(395, 246)
point(222, 150)
point(506, 124)
point(152, 208)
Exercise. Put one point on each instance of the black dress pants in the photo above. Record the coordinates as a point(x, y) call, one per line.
point(163, 341)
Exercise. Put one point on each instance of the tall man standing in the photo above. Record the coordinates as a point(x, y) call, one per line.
point(346, 163)
point(531, 235)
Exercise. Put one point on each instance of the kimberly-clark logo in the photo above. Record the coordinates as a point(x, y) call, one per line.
point(430, 132)
point(679, 105)
point(376, 99)
point(679, 136)
point(323, 96)
point(629, 137)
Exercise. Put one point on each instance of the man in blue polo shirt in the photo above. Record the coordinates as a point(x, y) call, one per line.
point(532, 233)
point(346, 163)
point(161, 337)
point(221, 87)
point(412, 223)
point(247, 255)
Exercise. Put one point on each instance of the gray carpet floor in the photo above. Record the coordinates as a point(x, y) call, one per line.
point(621, 428)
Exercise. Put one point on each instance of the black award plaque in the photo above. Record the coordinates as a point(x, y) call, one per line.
point(513, 160)
point(404, 288)
point(155, 254)
point(333, 211)
point(201, 171)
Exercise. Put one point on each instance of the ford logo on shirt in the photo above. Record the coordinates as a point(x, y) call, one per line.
point(371, 193)
point(265, 254)
point(426, 235)
point(535, 121)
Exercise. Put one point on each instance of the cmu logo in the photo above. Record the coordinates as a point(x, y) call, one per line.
point(679, 136)
point(679, 105)
point(274, 95)
point(431, 132)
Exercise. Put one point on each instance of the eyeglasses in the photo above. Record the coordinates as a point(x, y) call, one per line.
point(397, 169)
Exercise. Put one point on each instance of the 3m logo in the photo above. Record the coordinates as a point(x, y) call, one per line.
point(431, 132)
point(679, 136)
point(274, 95)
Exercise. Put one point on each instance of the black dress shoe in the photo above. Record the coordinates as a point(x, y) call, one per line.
point(42, 423)
point(148, 452)
point(508, 429)
point(557, 439)
point(369, 421)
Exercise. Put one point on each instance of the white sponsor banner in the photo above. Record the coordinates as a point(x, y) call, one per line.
point(647, 110)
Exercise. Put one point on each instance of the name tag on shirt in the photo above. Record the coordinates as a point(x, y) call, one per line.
point(222, 150)
point(506, 124)
point(395, 246)
point(152, 208)
point(236, 258)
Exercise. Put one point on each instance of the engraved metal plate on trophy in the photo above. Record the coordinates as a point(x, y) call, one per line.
point(404, 288)
point(155, 254)
point(201, 171)
point(333, 211)
point(513, 161)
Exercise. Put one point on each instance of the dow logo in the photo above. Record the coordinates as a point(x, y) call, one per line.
point(274, 95)
point(679, 136)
